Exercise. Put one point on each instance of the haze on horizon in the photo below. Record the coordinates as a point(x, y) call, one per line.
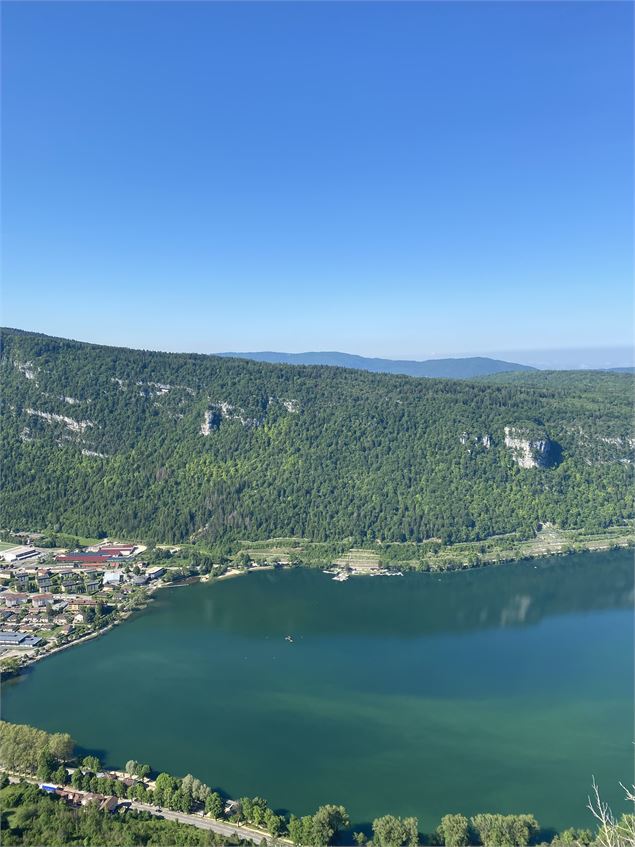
point(391, 180)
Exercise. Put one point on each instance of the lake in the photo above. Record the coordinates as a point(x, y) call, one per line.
point(503, 689)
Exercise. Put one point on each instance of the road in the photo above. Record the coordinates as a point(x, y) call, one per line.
point(221, 827)
point(201, 822)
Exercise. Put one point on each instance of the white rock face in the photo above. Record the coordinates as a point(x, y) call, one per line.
point(206, 426)
point(93, 453)
point(26, 368)
point(484, 440)
point(229, 412)
point(69, 423)
point(290, 405)
point(527, 453)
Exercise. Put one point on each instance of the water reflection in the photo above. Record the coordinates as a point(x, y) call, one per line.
point(513, 595)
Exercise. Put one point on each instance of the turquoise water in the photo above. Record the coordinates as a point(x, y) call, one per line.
point(503, 689)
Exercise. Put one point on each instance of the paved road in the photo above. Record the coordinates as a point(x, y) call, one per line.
point(222, 828)
point(202, 823)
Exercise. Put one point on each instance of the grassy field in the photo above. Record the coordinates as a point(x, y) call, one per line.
point(7, 545)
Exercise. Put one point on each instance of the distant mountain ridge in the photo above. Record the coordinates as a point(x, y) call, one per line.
point(460, 368)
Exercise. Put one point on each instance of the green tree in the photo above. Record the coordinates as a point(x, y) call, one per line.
point(165, 786)
point(46, 766)
point(411, 826)
point(505, 830)
point(389, 831)
point(61, 746)
point(274, 823)
point(143, 770)
point(295, 830)
point(77, 779)
point(91, 763)
point(327, 822)
point(214, 805)
point(60, 776)
point(455, 830)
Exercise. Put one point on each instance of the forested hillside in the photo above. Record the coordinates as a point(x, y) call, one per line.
point(171, 447)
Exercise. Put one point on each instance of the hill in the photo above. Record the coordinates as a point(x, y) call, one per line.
point(171, 447)
point(442, 368)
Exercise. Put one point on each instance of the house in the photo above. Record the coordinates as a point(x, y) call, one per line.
point(12, 599)
point(68, 575)
point(93, 583)
point(44, 580)
point(89, 797)
point(22, 580)
point(80, 604)
point(41, 601)
point(109, 804)
point(74, 797)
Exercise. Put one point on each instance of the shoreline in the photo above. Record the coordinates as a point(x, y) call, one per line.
point(405, 566)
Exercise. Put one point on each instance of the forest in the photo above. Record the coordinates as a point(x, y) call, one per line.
point(170, 447)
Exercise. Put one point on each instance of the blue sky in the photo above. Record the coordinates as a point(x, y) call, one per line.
point(403, 179)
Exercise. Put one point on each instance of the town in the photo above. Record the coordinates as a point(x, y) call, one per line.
point(53, 597)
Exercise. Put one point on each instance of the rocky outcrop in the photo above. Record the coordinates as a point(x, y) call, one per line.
point(69, 423)
point(26, 369)
point(482, 440)
point(528, 449)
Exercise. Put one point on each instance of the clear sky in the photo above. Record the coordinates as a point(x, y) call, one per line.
point(391, 179)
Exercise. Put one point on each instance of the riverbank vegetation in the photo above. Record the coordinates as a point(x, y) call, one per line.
point(183, 448)
point(31, 816)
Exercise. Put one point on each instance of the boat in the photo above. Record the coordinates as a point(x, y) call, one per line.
point(288, 638)
point(341, 577)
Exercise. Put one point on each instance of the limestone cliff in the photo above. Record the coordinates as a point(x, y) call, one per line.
point(529, 448)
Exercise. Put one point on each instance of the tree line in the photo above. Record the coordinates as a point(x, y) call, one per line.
point(27, 750)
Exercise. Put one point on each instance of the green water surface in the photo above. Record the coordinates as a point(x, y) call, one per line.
point(503, 689)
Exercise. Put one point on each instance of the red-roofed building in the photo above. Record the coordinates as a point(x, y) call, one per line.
point(85, 559)
point(118, 550)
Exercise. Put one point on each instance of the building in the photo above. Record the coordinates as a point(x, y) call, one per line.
point(13, 599)
point(22, 580)
point(18, 639)
point(80, 604)
point(19, 554)
point(84, 559)
point(44, 580)
point(93, 582)
point(118, 549)
point(113, 577)
point(109, 804)
point(140, 580)
point(41, 601)
point(155, 573)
